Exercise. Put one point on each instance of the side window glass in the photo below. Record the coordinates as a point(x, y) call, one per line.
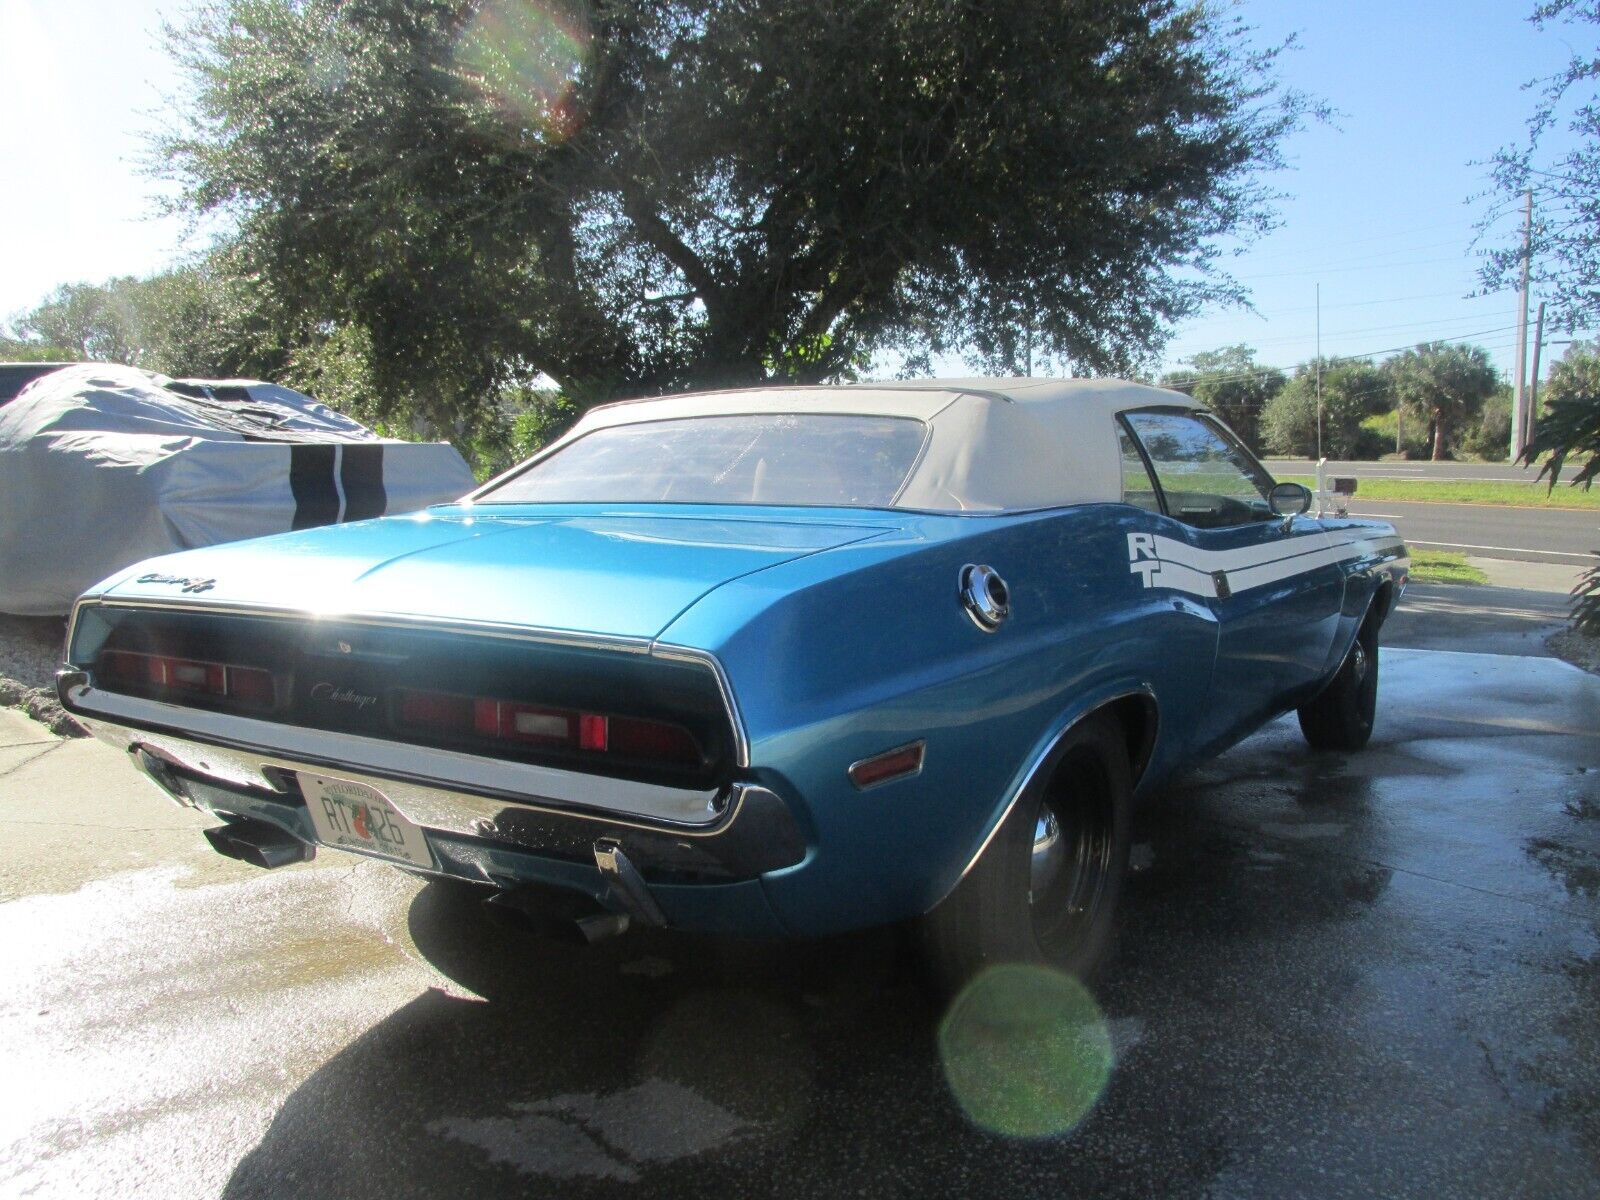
point(1208, 483)
point(1137, 488)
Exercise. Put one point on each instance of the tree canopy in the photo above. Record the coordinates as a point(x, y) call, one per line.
point(1352, 389)
point(1570, 425)
point(1443, 384)
point(632, 197)
point(1565, 253)
point(193, 320)
point(1570, 428)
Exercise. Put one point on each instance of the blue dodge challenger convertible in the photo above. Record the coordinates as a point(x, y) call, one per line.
point(784, 661)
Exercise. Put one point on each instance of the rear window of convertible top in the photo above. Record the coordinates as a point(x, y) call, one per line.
point(768, 458)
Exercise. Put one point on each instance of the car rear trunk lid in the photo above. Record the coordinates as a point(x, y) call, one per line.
point(625, 575)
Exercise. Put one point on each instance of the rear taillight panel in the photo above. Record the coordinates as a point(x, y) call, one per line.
point(585, 708)
point(496, 723)
point(168, 677)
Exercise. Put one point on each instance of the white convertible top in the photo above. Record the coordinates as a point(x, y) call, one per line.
point(994, 445)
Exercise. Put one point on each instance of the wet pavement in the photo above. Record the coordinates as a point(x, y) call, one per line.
point(1375, 974)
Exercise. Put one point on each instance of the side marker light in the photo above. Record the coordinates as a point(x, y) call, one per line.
point(899, 763)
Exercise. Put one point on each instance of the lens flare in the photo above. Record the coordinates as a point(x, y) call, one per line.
point(1026, 1051)
point(526, 59)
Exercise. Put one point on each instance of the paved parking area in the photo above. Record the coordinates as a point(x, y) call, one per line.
point(1339, 976)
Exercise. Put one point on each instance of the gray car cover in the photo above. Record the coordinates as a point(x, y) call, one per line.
point(101, 466)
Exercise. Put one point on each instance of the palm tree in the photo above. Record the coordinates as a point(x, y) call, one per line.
point(1570, 426)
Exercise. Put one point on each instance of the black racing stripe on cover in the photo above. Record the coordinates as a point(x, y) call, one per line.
point(231, 391)
point(361, 473)
point(316, 499)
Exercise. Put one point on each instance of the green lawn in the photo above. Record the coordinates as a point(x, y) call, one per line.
point(1440, 566)
point(1466, 491)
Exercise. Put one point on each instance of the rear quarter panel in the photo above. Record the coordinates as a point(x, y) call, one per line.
point(847, 653)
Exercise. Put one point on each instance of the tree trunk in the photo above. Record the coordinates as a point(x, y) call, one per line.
point(1438, 435)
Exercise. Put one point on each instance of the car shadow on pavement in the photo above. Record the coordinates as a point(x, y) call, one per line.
point(552, 1063)
point(704, 1066)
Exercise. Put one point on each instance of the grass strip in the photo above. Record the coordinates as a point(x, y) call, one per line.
point(1442, 566)
point(1467, 491)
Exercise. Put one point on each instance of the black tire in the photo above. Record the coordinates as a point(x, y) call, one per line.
point(1341, 715)
point(1083, 806)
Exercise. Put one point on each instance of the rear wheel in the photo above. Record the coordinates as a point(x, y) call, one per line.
point(1046, 888)
point(1341, 716)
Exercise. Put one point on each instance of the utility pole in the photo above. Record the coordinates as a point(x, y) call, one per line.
point(1319, 379)
point(1532, 418)
point(1519, 437)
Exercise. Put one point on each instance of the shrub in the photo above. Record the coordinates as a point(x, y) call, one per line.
point(1415, 437)
point(1351, 390)
point(1490, 436)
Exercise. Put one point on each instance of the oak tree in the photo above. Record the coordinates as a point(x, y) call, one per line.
point(631, 197)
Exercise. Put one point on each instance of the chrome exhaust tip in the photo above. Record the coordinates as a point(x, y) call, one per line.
point(566, 917)
point(259, 844)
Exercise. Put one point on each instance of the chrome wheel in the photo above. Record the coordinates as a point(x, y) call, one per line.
point(1359, 663)
point(1045, 889)
point(1074, 845)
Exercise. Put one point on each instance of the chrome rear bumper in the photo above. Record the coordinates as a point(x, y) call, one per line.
point(739, 831)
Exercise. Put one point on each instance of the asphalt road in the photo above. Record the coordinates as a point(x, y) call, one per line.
point(1503, 472)
point(1338, 976)
point(1491, 530)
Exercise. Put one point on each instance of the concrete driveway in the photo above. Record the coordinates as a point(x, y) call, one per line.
point(1339, 976)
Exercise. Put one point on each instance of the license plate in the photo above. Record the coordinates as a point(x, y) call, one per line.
point(354, 816)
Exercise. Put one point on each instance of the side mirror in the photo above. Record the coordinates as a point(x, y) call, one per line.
point(1289, 499)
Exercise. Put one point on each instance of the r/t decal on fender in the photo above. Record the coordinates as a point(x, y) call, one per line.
point(1142, 557)
point(1169, 563)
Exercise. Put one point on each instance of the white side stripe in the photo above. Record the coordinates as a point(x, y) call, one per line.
point(1171, 550)
point(1166, 562)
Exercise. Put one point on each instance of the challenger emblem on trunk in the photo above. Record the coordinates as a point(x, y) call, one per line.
point(334, 694)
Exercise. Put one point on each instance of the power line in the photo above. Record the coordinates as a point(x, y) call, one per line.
point(1443, 324)
point(1454, 292)
point(1421, 262)
point(1265, 368)
point(1465, 227)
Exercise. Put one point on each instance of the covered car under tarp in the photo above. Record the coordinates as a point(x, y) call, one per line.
point(102, 466)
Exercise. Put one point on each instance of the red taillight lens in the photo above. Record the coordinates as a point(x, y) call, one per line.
point(656, 741)
point(249, 687)
point(594, 732)
point(436, 710)
point(536, 724)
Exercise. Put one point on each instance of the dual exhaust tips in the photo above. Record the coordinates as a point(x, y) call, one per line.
point(259, 844)
point(564, 916)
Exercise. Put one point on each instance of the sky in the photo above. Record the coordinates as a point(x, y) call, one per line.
point(1378, 214)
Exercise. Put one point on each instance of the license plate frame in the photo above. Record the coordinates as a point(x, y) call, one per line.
point(350, 815)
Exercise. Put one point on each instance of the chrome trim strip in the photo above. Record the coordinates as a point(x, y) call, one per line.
point(522, 633)
point(673, 652)
point(1033, 770)
point(242, 745)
